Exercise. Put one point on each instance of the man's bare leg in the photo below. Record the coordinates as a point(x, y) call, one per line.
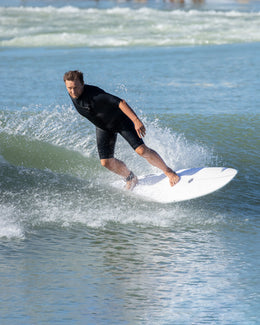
point(154, 159)
point(119, 167)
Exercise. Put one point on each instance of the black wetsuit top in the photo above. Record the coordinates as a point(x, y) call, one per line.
point(102, 109)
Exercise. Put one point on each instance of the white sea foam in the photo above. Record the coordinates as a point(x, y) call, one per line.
point(9, 226)
point(117, 27)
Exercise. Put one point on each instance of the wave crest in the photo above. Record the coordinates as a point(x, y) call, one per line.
point(123, 27)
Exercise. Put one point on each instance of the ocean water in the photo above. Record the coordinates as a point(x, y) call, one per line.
point(73, 250)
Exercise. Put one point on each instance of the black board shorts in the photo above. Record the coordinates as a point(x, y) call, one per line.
point(106, 140)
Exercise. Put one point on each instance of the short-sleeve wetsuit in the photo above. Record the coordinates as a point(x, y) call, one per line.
point(102, 109)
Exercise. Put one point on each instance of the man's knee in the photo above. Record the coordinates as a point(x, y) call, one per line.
point(142, 150)
point(106, 162)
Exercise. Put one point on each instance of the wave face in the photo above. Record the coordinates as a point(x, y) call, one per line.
point(49, 171)
point(70, 26)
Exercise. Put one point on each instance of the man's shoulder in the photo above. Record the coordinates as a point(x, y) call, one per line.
point(98, 95)
point(93, 90)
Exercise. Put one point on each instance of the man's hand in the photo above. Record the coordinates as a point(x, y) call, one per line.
point(139, 127)
point(127, 110)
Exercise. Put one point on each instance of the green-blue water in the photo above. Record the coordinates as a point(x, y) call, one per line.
point(72, 249)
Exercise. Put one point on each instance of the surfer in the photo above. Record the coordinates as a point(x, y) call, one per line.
point(112, 115)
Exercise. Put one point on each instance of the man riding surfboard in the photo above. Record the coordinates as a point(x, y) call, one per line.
point(112, 115)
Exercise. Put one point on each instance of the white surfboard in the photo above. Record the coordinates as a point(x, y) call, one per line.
point(194, 183)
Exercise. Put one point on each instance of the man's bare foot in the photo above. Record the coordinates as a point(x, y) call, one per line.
point(173, 177)
point(131, 181)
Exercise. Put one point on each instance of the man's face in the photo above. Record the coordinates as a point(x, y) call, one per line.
point(75, 88)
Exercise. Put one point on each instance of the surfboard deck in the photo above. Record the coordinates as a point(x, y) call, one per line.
point(194, 183)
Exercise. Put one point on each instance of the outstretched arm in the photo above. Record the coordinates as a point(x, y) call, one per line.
point(127, 110)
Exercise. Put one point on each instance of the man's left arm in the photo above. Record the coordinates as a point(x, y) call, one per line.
point(127, 110)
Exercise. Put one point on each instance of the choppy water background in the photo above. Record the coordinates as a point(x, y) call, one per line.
point(72, 249)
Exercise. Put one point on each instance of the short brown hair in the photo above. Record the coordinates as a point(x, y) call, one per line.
point(73, 76)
